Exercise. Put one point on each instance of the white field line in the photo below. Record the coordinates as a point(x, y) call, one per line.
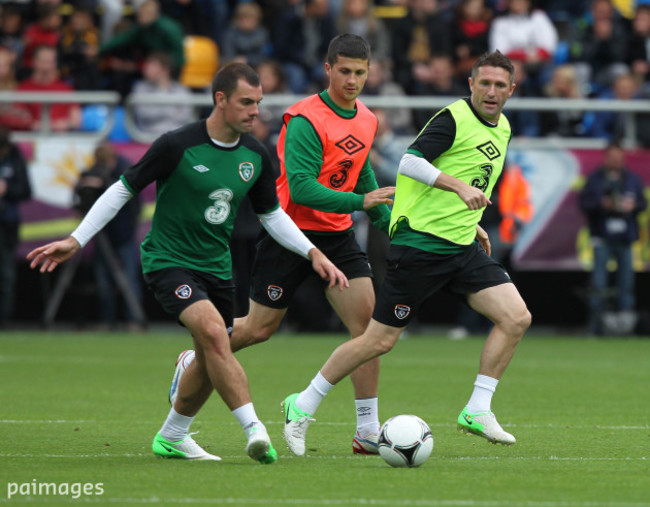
point(325, 423)
point(326, 501)
point(47, 421)
point(341, 457)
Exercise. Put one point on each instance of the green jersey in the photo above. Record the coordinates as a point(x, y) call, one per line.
point(474, 152)
point(199, 188)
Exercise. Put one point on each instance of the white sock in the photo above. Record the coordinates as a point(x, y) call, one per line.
point(310, 398)
point(246, 416)
point(367, 416)
point(481, 398)
point(176, 426)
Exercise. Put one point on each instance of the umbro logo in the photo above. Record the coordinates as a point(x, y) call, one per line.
point(201, 168)
point(350, 144)
point(489, 150)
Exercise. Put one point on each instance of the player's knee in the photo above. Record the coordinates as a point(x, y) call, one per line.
point(262, 334)
point(214, 339)
point(519, 322)
point(383, 345)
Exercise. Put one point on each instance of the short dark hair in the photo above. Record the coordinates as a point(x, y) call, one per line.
point(164, 59)
point(614, 144)
point(348, 45)
point(494, 59)
point(228, 76)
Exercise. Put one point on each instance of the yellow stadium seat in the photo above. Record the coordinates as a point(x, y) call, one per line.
point(201, 61)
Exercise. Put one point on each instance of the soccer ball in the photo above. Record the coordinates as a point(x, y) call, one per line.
point(405, 441)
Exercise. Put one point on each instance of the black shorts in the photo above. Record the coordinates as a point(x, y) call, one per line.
point(414, 275)
point(177, 288)
point(277, 272)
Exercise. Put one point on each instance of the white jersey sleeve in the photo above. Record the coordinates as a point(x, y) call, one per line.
point(284, 230)
point(419, 169)
point(102, 212)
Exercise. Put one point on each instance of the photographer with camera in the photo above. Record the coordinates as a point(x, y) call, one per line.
point(116, 247)
point(14, 187)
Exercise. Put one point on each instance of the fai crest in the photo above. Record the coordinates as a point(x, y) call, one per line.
point(183, 292)
point(402, 311)
point(246, 171)
point(274, 292)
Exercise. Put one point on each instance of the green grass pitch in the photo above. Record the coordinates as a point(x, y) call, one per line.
point(82, 408)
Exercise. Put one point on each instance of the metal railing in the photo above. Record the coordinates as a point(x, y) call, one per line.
point(47, 99)
point(630, 108)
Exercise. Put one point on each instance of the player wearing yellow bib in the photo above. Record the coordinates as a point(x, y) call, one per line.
point(445, 180)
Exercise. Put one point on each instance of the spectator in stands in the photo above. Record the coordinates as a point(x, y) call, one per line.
point(299, 36)
point(192, 15)
point(438, 78)
point(611, 125)
point(45, 78)
point(561, 11)
point(523, 122)
point(120, 233)
point(45, 31)
point(112, 11)
point(379, 83)
point(387, 149)
point(611, 199)
point(12, 116)
point(600, 41)
point(7, 69)
point(358, 18)
point(525, 34)
point(319, 29)
point(273, 81)
point(564, 84)
point(11, 29)
point(247, 40)
point(78, 48)
point(151, 32)
point(157, 79)
point(470, 34)
point(638, 52)
point(416, 37)
point(14, 188)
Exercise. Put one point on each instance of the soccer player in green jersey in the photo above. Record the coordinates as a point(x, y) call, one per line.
point(326, 175)
point(444, 183)
point(202, 172)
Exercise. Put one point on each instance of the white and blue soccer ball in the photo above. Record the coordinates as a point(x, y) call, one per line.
point(405, 441)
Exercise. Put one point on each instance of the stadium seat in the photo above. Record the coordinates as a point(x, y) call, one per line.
point(201, 61)
point(94, 116)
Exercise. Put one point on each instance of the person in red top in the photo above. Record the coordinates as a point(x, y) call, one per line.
point(45, 78)
point(323, 148)
point(45, 31)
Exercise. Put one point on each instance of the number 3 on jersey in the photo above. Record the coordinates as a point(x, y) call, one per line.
point(483, 181)
point(219, 211)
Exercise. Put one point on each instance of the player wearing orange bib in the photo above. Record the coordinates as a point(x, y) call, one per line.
point(325, 176)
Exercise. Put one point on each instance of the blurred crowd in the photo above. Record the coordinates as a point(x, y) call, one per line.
point(577, 49)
